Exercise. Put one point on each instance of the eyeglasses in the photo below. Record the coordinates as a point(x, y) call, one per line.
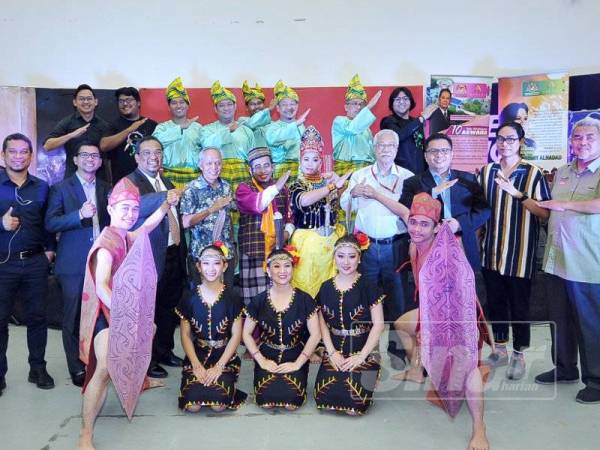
point(402, 99)
point(508, 140)
point(580, 138)
point(439, 151)
point(126, 101)
point(84, 155)
point(382, 146)
point(149, 154)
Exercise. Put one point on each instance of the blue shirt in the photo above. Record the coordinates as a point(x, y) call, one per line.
point(29, 203)
point(445, 196)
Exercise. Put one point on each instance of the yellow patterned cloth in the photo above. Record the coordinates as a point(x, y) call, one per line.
point(283, 167)
point(316, 258)
point(356, 91)
point(235, 171)
point(281, 91)
point(176, 90)
point(342, 167)
point(252, 92)
point(219, 93)
point(181, 176)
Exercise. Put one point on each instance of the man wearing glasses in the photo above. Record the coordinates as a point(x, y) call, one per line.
point(463, 203)
point(76, 210)
point(128, 129)
point(23, 265)
point(168, 248)
point(82, 125)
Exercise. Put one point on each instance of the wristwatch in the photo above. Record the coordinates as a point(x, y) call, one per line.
point(523, 197)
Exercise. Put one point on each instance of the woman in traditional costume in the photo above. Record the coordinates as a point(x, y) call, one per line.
point(351, 321)
point(211, 331)
point(104, 259)
point(314, 202)
point(287, 320)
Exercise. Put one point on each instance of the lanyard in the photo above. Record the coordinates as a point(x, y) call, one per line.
point(383, 185)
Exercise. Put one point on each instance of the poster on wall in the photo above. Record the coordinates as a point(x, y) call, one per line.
point(540, 103)
point(471, 95)
point(470, 144)
point(574, 118)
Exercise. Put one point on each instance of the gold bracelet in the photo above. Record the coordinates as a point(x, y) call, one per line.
point(331, 187)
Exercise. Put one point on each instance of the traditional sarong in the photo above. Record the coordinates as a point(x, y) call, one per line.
point(253, 278)
point(316, 258)
point(283, 167)
point(342, 167)
point(181, 176)
point(235, 171)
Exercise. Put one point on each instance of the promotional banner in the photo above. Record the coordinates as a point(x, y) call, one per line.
point(470, 144)
point(540, 103)
point(574, 118)
point(471, 96)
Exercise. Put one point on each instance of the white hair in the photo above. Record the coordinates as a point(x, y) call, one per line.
point(382, 133)
point(588, 121)
point(204, 151)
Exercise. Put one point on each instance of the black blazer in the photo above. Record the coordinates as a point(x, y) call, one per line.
point(62, 216)
point(437, 121)
point(150, 202)
point(467, 203)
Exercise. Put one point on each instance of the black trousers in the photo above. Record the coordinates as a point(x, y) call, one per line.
point(30, 277)
point(72, 287)
point(508, 301)
point(168, 292)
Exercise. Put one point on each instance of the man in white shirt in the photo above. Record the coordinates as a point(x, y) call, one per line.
point(374, 192)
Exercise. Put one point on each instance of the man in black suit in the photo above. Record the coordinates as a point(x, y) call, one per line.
point(168, 248)
point(440, 119)
point(463, 204)
point(76, 210)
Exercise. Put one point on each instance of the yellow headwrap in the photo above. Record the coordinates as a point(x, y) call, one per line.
point(219, 93)
point(356, 90)
point(282, 91)
point(176, 90)
point(250, 93)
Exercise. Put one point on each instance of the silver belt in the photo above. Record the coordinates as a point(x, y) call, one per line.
point(280, 347)
point(212, 343)
point(353, 332)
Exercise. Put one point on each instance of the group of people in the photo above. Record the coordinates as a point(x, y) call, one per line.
point(301, 265)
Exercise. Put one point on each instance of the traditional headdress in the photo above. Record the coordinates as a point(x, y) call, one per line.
point(362, 242)
point(208, 257)
point(250, 93)
point(424, 205)
point(124, 190)
point(311, 141)
point(176, 90)
point(282, 91)
point(219, 93)
point(290, 253)
point(258, 152)
point(356, 90)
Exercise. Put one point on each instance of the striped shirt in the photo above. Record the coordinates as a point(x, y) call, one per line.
point(512, 233)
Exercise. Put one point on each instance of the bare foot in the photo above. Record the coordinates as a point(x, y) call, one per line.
point(193, 408)
point(479, 440)
point(267, 407)
point(85, 442)
point(351, 412)
point(155, 383)
point(412, 374)
point(218, 408)
point(291, 407)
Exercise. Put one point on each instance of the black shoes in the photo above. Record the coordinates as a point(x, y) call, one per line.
point(2, 384)
point(588, 396)
point(171, 360)
point(552, 377)
point(156, 371)
point(41, 378)
point(78, 378)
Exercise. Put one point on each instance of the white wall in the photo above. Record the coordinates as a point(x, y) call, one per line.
point(109, 43)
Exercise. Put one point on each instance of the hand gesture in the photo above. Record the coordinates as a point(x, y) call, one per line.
point(370, 192)
point(336, 360)
point(339, 183)
point(454, 224)
point(268, 365)
point(221, 202)
point(138, 123)
point(282, 180)
point(233, 126)
point(287, 367)
point(303, 117)
point(88, 209)
point(188, 122)
point(443, 186)
point(429, 110)
point(272, 104)
point(9, 222)
point(358, 190)
point(374, 100)
point(212, 375)
point(553, 205)
point(506, 185)
point(352, 362)
point(173, 196)
point(79, 131)
point(50, 255)
point(200, 374)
